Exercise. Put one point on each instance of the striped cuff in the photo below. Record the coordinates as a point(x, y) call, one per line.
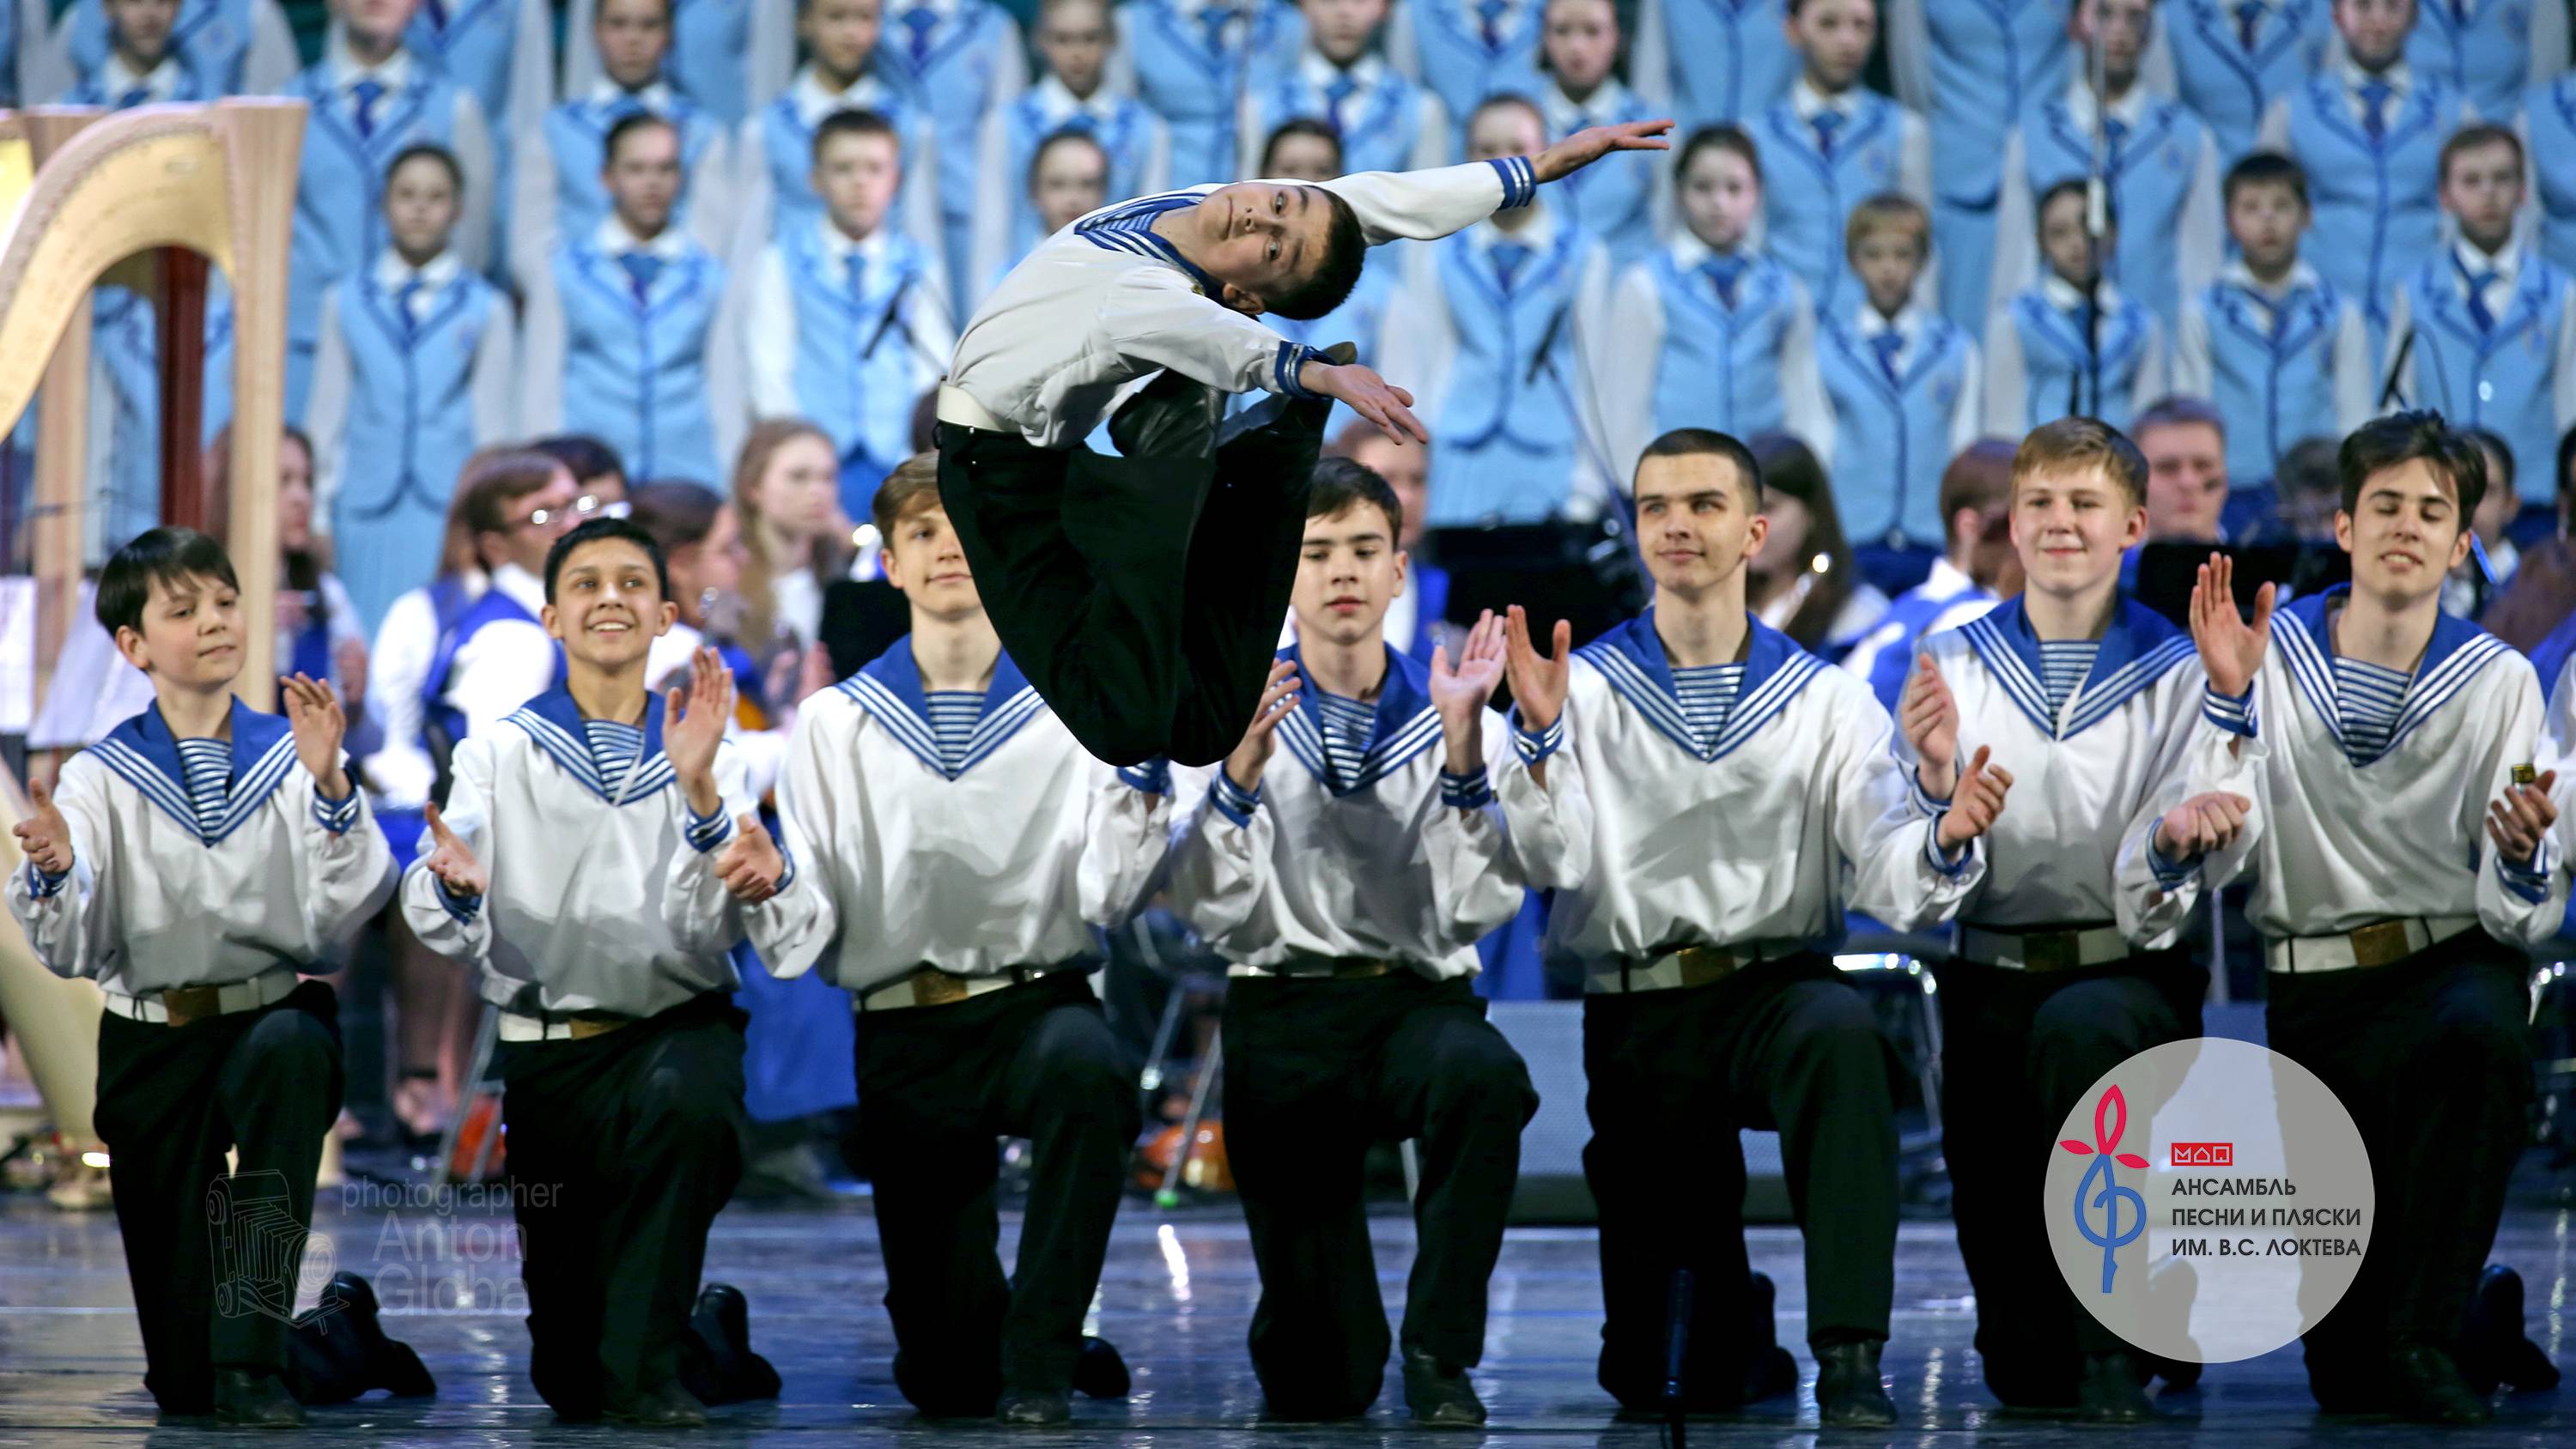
point(1924, 800)
point(706, 832)
point(463, 908)
point(1940, 859)
point(1153, 777)
point(1233, 801)
point(1520, 181)
point(43, 884)
point(1470, 791)
point(335, 816)
point(2528, 883)
point(2169, 873)
point(1290, 360)
point(2234, 715)
point(1535, 746)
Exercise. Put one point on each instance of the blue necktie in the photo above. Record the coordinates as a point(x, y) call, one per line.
point(2374, 108)
point(1508, 257)
point(2460, 14)
point(407, 302)
point(134, 96)
point(1489, 20)
point(436, 10)
point(2114, 132)
point(920, 20)
point(1887, 344)
point(628, 103)
point(641, 268)
point(2249, 18)
point(1827, 122)
point(858, 277)
point(1725, 274)
point(1336, 95)
point(368, 90)
point(1081, 123)
point(1213, 19)
point(2477, 283)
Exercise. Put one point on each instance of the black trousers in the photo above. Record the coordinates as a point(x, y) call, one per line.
point(1141, 596)
point(2430, 1056)
point(1315, 1072)
point(214, 1256)
point(623, 1147)
point(937, 1086)
point(2018, 1051)
point(1674, 1076)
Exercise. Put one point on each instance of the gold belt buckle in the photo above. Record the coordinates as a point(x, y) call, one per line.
point(187, 1004)
point(937, 988)
point(583, 1028)
point(2381, 943)
point(2052, 950)
point(1704, 964)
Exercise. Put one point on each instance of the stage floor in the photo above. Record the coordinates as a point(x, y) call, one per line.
point(1177, 1298)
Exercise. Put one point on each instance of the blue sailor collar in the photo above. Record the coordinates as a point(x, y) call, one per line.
point(1631, 657)
point(555, 723)
point(1129, 227)
point(143, 752)
point(890, 688)
point(1406, 724)
point(2138, 648)
point(2457, 651)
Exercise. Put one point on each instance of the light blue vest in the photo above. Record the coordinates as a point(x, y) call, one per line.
point(2151, 172)
point(1191, 80)
point(2374, 202)
point(2501, 379)
point(212, 40)
point(1730, 59)
point(575, 135)
point(1379, 132)
point(2055, 354)
point(91, 90)
point(2550, 112)
point(2229, 87)
point(339, 196)
point(854, 361)
point(635, 372)
point(125, 336)
point(787, 149)
point(1462, 68)
point(1128, 137)
point(1508, 446)
point(1990, 60)
point(477, 47)
point(1615, 204)
point(2271, 375)
point(410, 430)
point(709, 39)
point(1720, 365)
point(951, 82)
point(2483, 56)
point(1808, 195)
point(1892, 436)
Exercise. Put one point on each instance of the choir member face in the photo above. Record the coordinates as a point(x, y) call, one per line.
point(643, 179)
point(420, 208)
point(841, 35)
point(1697, 522)
point(191, 636)
point(2498, 505)
point(799, 492)
point(1301, 157)
point(2482, 187)
point(924, 559)
point(1074, 36)
point(2186, 481)
point(2266, 218)
point(534, 521)
point(2120, 27)
point(1348, 571)
point(374, 27)
point(1259, 238)
point(607, 605)
point(2070, 529)
point(2404, 533)
point(1887, 260)
point(2374, 31)
point(633, 36)
point(857, 177)
point(1068, 181)
point(1835, 36)
point(1341, 29)
point(2063, 241)
point(294, 494)
point(1406, 469)
point(1720, 196)
point(1501, 129)
point(141, 29)
point(1582, 43)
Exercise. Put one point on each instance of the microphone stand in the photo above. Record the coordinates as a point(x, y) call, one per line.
point(2097, 227)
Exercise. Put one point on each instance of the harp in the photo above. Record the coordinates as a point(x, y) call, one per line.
point(149, 199)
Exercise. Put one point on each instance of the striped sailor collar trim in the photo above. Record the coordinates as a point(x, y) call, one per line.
point(554, 722)
point(890, 689)
point(1631, 658)
point(1406, 724)
point(2456, 653)
point(143, 752)
point(2138, 648)
point(1129, 227)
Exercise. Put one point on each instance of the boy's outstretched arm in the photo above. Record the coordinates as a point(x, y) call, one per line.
point(1428, 205)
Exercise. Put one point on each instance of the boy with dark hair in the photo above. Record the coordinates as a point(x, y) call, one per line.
point(2380, 708)
point(1978, 568)
point(2185, 443)
point(1144, 641)
point(1349, 892)
point(2074, 344)
point(1710, 1003)
point(2280, 351)
point(190, 863)
point(2056, 976)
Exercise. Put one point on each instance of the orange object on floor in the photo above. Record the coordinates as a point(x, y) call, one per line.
point(1207, 1170)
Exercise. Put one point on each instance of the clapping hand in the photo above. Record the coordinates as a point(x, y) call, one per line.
point(750, 865)
point(2201, 824)
point(2520, 821)
point(2230, 649)
point(1930, 717)
point(45, 837)
point(1261, 738)
point(313, 712)
point(1977, 802)
point(451, 859)
point(690, 738)
point(1459, 691)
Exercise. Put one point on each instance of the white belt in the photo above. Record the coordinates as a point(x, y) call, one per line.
point(515, 1027)
point(198, 1002)
point(1689, 966)
point(933, 987)
point(958, 407)
point(2381, 943)
point(2043, 950)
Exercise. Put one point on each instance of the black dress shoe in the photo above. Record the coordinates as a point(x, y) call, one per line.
point(1099, 1373)
point(1174, 416)
point(2493, 1349)
point(2425, 1386)
point(721, 1322)
point(664, 1406)
point(2111, 1390)
point(391, 1364)
point(255, 1401)
point(1035, 1408)
point(1848, 1392)
point(1438, 1394)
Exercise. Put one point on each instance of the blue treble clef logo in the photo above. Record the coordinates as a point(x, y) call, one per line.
point(2110, 1119)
